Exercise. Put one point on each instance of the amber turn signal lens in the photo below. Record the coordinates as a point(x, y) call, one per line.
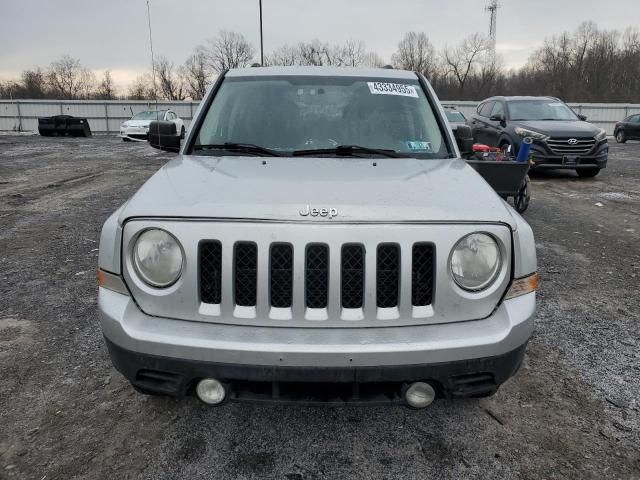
point(522, 286)
point(111, 281)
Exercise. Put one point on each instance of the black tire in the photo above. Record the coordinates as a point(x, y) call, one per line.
point(125, 139)
point(621, 137)
point(182, 132)
point(504, 144)
point(588, 172)
point(522, 198)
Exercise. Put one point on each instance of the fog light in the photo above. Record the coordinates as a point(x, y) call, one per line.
point(210, 391)
point(420, 395)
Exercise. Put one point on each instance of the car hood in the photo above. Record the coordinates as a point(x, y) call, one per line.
point(560, 128)
point(138, 123)
point(278, 189)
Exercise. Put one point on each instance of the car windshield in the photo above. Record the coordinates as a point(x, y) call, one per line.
point(288, 114)
point(455, 117)
point(149, 115)
point(540, 110)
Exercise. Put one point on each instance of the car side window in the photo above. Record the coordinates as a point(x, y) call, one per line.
point(171, 116)
point(486, 109)
point(498, 109)
point(635, 119)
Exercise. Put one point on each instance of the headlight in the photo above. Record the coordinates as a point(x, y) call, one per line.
point(523, 132)
point(602, 135)
point(475, 262)
point(157, 258)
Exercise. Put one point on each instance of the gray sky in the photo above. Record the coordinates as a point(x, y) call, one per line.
point(113, 34)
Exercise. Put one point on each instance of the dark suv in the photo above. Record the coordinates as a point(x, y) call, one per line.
point(628, 129)
point(562, 138)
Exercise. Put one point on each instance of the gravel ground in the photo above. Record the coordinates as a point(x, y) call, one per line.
point(571, 412)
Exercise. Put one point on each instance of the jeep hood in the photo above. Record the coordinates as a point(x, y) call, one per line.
point(559, 128)
point(277, 189)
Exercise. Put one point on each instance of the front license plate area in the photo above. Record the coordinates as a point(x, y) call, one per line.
point(570, 160)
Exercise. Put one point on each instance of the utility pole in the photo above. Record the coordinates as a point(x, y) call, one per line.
point(492, 8)
point(261, 42)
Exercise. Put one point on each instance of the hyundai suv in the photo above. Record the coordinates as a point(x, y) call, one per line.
point(561, 138)
point(318, 238)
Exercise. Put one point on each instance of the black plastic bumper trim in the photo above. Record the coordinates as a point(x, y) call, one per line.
point(177, 377)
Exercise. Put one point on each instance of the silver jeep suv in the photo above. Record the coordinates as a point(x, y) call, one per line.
point(318, 239)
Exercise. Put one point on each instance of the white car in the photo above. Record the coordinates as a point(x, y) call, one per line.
point(137, 127)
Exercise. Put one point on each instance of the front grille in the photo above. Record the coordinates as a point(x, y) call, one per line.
point(352, 274)
point(281, 275)
point(316, 289)
point(210, 271)
point(422, 275)
point(246, 274)
point(387, 275)
point(581, 146)
point(388, 280)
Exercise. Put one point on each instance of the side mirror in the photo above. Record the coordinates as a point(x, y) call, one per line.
point(464, 139)
point(163, 135)
point(498, 118)
point(582, 117)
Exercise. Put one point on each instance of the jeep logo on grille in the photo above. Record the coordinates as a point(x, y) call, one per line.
point(318, 212)
point(572, 141)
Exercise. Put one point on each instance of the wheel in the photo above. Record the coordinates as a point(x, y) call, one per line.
point(523, 197)
point(182, 132)
point(621, 137)
point(588, 172)
point(125, 139)
point(505, 144)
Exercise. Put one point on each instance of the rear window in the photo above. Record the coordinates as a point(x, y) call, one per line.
point(293, 113)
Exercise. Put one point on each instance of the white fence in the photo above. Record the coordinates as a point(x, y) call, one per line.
point(106, 116)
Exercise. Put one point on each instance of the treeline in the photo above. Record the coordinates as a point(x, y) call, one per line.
point(588, 65)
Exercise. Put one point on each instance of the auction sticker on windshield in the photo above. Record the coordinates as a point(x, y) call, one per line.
point(382, 88)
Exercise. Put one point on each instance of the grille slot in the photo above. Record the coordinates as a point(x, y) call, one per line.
point(561, 146)
point(352, 268)
point(281, 290)
point(422, 275)
point(210, 272)
point(316, 290)
point(387, 275)
point(246, 274)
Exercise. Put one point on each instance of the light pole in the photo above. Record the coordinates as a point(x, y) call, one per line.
point(261, 43)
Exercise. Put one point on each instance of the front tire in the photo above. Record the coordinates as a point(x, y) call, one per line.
point(182, 133)
point(588, 172)
point(621, 137)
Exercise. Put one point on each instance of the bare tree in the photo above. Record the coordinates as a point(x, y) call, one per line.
point(461, 61)
point(106, 89)
point(353, 53)
point(372, 59)
point(68, 78)
point(196, 74)
point(141, 88)
point(283, 56)
point(415, 52)
point(170, 83)
point(34, 83)
point(228, 50)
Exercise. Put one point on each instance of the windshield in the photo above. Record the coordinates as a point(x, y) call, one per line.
point(455, 117)
point(149, 115)
point(289, 114)
point(540, 110)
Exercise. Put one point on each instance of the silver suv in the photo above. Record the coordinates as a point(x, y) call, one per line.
point(317, 239)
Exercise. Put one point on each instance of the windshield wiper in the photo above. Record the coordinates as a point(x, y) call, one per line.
point(239, 147)
point(347, 150)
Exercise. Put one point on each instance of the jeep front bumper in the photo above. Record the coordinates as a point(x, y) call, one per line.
point(168, 356)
